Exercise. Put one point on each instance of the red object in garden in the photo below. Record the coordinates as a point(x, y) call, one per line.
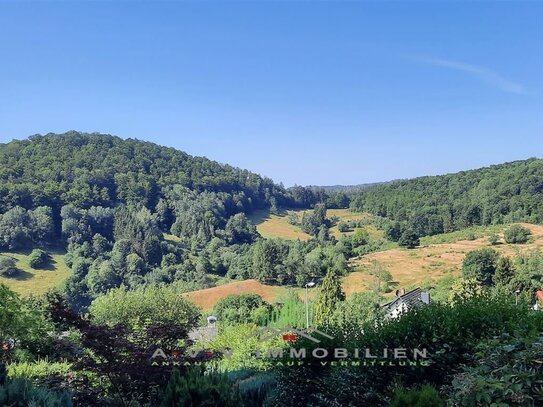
point(539, 295)
point(289, 337)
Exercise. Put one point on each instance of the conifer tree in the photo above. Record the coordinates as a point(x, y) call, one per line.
point(329, 297)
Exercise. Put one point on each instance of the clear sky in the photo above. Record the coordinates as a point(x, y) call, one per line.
point(304, 92)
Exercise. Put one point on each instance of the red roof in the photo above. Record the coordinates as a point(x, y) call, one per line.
point(539, 294)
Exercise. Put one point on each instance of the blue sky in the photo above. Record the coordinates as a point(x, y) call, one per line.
point(304, 92)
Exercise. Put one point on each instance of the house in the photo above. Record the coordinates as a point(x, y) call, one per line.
point(405, 301)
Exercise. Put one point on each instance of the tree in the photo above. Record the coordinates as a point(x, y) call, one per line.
point(312, 221)
point(237, 309)
point(481, 265)
point(359, 309)
point(324, 235)
point(292, 218)
point(14, 231)
point(517, 234)
point(464, 289)
point(330, 295)
point(240, 229)
point(409, 239)
point(157, 305)
point(505, 270)
point(393, 231)
point(7, 266)
point(380, 275)
point(41, 224)
point(38, 259)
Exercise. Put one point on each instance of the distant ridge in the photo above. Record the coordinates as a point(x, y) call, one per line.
point(346, 188)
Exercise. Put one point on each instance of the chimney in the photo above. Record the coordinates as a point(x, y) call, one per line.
point(425, 297)
point(211, 320)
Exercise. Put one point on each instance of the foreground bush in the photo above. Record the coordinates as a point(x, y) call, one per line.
point(197, 389)
point(507, 373)
point(450, 333)
point(21, 393)
point(423, 396)
point(22, 328)
point(37, 370)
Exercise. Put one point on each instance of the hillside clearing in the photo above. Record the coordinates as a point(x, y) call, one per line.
point(207, 298)
point(35, 282)
point(271, 225)
point(427, 264)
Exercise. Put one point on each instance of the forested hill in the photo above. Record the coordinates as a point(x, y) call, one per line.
point(101, 170)
point(502, 193)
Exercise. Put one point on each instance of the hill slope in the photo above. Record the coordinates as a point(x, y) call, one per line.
point(510, 192)
point(102, 170)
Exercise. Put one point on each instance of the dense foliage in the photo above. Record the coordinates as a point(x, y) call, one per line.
point(503, 193)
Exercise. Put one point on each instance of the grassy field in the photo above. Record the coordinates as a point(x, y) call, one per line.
point(207, 298)
point(427, 264)
point(269, 225)
point(34, 282)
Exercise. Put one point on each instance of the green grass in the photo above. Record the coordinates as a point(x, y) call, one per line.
point(476, 232)
point(276, 225)
point(29, 281)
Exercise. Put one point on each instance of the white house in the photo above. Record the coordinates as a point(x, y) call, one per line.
point(405, 301)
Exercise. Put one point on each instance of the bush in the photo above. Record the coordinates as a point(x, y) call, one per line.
point(517, 234)
point(480, 264)
point(409, 239)
point(451, 335)
point(7, 266)
point(38, 259)
point(493, 239)
point(21, 393)
point(507, 373)
point(423, 396)
point(343, 227)
point(238, 309)
point(198, 389)
point(38, 370)
point(157, 305)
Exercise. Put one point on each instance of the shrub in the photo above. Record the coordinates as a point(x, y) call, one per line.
point(157, 305)
point(37, 370)
point(343, 227)
point(244, 346)
point(7, 266)
point(507, 373)
point(21, 393)
point(237, 309)
point(21, 324)
point(409, 239)
point(198, 389)
point(423, 396)
point(517, 234)
point(38, 259)
point(450, 334)
point(480, 264)
point(493, 239)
